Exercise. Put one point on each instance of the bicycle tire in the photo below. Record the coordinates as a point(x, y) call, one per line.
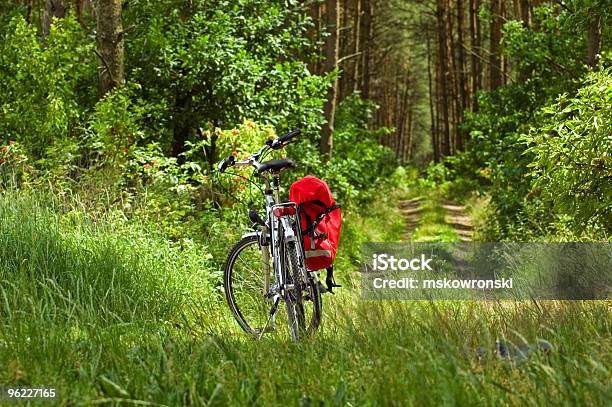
point(295, 303)
point(229, 285)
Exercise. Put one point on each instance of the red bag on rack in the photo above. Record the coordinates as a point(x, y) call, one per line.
point(320, 218)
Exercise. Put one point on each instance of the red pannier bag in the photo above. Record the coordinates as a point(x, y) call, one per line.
point(320, 218)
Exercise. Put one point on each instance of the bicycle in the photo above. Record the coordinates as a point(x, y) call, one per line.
point(254, 292)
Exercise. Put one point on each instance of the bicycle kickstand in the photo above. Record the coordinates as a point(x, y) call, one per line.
point(271, 317)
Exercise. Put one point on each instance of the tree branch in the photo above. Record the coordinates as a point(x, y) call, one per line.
point(110, 72)
point(347, 57)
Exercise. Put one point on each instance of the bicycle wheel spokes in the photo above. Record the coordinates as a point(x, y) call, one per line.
point(244, 285)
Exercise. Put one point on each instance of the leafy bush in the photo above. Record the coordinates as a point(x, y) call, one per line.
point(361, 165)
point(14, 166)
point(549, 62)
point(59, 79)
point(572, 150)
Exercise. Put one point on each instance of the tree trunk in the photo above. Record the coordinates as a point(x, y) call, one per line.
point(408, 154)
point(332, 44)
point(53, 9)
point(439, 125)
point(443, 79)
point(504, 60)
point(406, 119)
point(593, 39)
point(357, 42)
point(400, 107)
point(495, 67)
point(525, 13)
point(525, 16)
point(29, 6)
point(366, 41)
point(314, 33)
point(463, 87)
point(344, 50)
point(462, 69)
point(475, 45)
point(453, 90)
point(432, 111)
point(110, 48)
point(79, 9)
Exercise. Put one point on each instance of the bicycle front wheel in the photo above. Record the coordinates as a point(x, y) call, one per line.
point(244, 282)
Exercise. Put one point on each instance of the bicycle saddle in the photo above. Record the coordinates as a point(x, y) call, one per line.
point(276, 165)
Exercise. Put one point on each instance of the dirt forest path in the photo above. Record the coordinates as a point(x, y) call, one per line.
point(454, 216)
point(412, 213)
point(457, 218)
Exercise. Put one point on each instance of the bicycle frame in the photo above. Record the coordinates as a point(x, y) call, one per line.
point(276, 233)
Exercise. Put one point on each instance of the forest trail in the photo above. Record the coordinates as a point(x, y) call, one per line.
point(411, 210)
point(452, 215)
point(459, 220)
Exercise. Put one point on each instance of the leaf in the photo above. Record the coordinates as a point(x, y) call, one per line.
point(112, 389)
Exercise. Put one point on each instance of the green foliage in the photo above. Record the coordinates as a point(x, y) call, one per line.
point(116, 122)
point(203, 64)
point(549, 56)
point(584, 11)
point(361, 165)
point(57, 79)
point(14, 167)
point(572, 150)
point(214, 64)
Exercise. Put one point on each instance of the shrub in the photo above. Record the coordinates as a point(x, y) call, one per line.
point(572, 150)
point(59, 79)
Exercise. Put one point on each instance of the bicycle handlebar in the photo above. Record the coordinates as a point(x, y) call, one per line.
point(289, 136)
point(275, 144)
point(226, 163)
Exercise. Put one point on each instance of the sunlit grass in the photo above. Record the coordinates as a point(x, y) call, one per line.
point(432, 225)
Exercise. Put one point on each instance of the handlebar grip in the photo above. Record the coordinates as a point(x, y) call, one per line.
point(227, 162)
point(290, 135)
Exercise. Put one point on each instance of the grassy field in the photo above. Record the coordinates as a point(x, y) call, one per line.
point(111, 312)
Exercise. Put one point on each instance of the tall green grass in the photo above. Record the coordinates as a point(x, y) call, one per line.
point(110, 312)
point(107, 270)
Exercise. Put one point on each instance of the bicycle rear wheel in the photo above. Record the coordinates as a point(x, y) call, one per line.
point(303, 300)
